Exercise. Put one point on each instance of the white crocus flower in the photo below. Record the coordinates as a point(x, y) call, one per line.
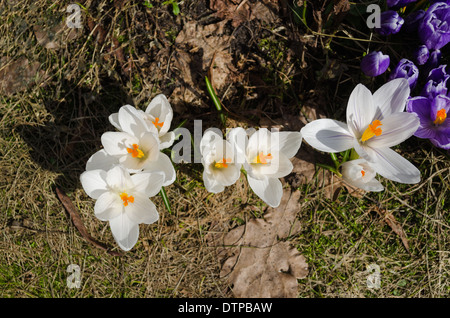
point(134, 147)
point(158, 117)
point(218, 159)
point(374, 124)
point(265, 156)
point(359, 173)
point(123, 200)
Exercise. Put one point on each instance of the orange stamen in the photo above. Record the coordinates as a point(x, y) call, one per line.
point(157, 123)
point(372, 130)
point(441, 116)
point(222, 163)
point(135, 151)
point(125, 198)
point(363, 173)
point(261, 158)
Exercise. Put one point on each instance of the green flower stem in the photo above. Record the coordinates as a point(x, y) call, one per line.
point(165, 199)
point(215, 100)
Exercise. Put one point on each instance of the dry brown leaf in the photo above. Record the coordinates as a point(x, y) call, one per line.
point(201, 49)
point(390, 220)
point(78, 222)
point(238, 11)
point(19, 75)
point(55, 37)
point(256, 262)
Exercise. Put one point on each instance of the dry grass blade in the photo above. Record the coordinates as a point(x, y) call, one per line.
point(78, 222)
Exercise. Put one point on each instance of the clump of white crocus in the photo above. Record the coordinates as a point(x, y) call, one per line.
point(123, 200)
point(374, 124)
point(158, 118)
point(265, 156)
point(359, 173)
point(134, 147)
point(219, 162)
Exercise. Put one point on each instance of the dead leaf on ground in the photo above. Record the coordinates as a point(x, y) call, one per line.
point(56, 36)
point(199, 50)
point(390, 220)
point(19, 75)
point(240, 11)
point(78, 222)
point(255, 260)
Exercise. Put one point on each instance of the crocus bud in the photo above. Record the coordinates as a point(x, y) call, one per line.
point(390, 23)
point(406, 69)
point(434, 29)
point(436, 82)
point(421, 54)
point(375, 63)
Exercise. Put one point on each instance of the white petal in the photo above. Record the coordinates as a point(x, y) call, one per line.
point(269, 190)
point(391, 165)
point(238, 139)
point(227, 176)
point(391, 98)
point(114, 120)
point(163, 164)
point(167, 140)
point(108, 206)
point(360, 109)
point(210, 139)
point(116, 143)
point(328, 135)
point(101, 160)
point(160, 107)
point(280, 166)
point(142, 210)
point(396, 128)
point(288, 142)
point(118, 179)
point(211, 183)
point(373, 185)
point(131, 120)
point(148, 183)
point(94, 183)
point(125, 232)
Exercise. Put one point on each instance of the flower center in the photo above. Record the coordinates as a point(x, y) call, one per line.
point(223, 163)
point(363, 173)
point(135, 151)
point(372, 131)
point(125, 198)
point(261, 158)
point(441, 115)
point(157, 123)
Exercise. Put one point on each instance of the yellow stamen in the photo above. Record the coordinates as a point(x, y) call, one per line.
point(372, 131)
point(261, 158)
point(157, 123)
point(125, 198)
point(222, 163)
point(441, 116)
point(363, 173)
point(135, 151)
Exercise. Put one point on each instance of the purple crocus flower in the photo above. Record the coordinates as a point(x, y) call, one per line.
point(390, 23)
point(406, 69)
point(434, 29)
point(398, 3)
point(375, 63)
point(434, 123)
point(436, 83)
point(421, 54)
